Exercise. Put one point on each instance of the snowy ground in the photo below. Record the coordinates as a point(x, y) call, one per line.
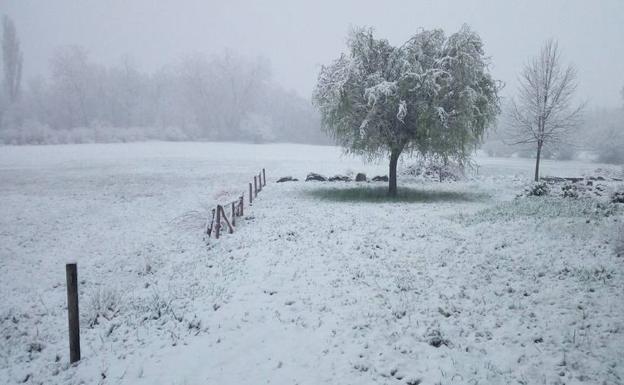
point(455, 283)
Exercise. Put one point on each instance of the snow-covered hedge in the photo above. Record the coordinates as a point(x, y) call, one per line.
point(537, 189)
point(37, 133)
point(435, 170)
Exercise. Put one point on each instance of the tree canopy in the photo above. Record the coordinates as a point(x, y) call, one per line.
point(433, 95)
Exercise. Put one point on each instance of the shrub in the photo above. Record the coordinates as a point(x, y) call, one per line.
point(569, 191)
point(435, 169)
point(105, 303)
point(618, 195)
point(537, 189)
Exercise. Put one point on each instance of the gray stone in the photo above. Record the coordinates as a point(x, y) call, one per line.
point(287, 179)
point(316, 177)
point(360, 177)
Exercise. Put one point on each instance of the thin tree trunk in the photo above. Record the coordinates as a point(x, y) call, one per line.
point(537, 160)
point(392, 181)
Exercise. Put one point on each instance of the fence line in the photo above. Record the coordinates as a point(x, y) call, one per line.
point(214, 223)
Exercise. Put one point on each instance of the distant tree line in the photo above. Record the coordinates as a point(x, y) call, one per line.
point(221, 97)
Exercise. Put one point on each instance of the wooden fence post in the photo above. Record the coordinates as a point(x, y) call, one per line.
point(255, 186)
point(218, 222)
point(241, 205)
point(225, 219)
point(259, 182)
point(264, 177)
point(233, 213)
point(209, 225)
point(250, 198)
point(73, 317)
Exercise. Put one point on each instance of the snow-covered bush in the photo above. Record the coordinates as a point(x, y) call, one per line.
point(618, 195)
point(32, 132)
point(104, 304)
point(433, 169)
point(537, 189)
point(569, 190)
point(156, 307)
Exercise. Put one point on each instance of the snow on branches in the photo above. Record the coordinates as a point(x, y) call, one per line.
point(432, 95)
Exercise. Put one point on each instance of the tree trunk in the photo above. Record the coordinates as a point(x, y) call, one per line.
point(537, 160)
point(392, 181)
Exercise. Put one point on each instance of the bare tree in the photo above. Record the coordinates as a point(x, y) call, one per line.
point(74, 88)
point(543, 113)
point(11, 58)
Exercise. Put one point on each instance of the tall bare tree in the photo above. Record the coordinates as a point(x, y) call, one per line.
point(544, 112)
point(11, 58)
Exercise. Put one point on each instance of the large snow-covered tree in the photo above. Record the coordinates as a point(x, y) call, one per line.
point(433, 95)
point(544, 112)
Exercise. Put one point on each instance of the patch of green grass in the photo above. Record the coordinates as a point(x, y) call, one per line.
point(405, 194)
point(543, 208)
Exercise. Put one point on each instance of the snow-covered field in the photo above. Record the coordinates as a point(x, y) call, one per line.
point(455, 283)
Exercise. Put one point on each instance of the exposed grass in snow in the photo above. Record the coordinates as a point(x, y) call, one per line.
point(541, 207)
point(377, 194)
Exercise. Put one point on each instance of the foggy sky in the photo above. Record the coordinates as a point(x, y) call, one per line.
point(297, 36)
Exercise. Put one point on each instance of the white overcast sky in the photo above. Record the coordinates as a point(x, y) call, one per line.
point(297, 36)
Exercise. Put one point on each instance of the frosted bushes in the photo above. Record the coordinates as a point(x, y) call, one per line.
point(104, 304)
point(37, 133)
point(433, 169)
point(537, 189)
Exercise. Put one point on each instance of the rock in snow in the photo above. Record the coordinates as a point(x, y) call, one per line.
point(380, 178)
point(315, 176)
point(287, 179)
point(360, 177)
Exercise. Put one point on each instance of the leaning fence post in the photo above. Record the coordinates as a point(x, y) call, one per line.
point(255, 186)
point(210, 224)
point(259, 182)
point(218, 222)
point(233, 213)
point(73, 318)
point(250, 198)
point(263, 177)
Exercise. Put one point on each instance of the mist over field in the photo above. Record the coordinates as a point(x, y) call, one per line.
point(328, 192)
point(245, 71)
